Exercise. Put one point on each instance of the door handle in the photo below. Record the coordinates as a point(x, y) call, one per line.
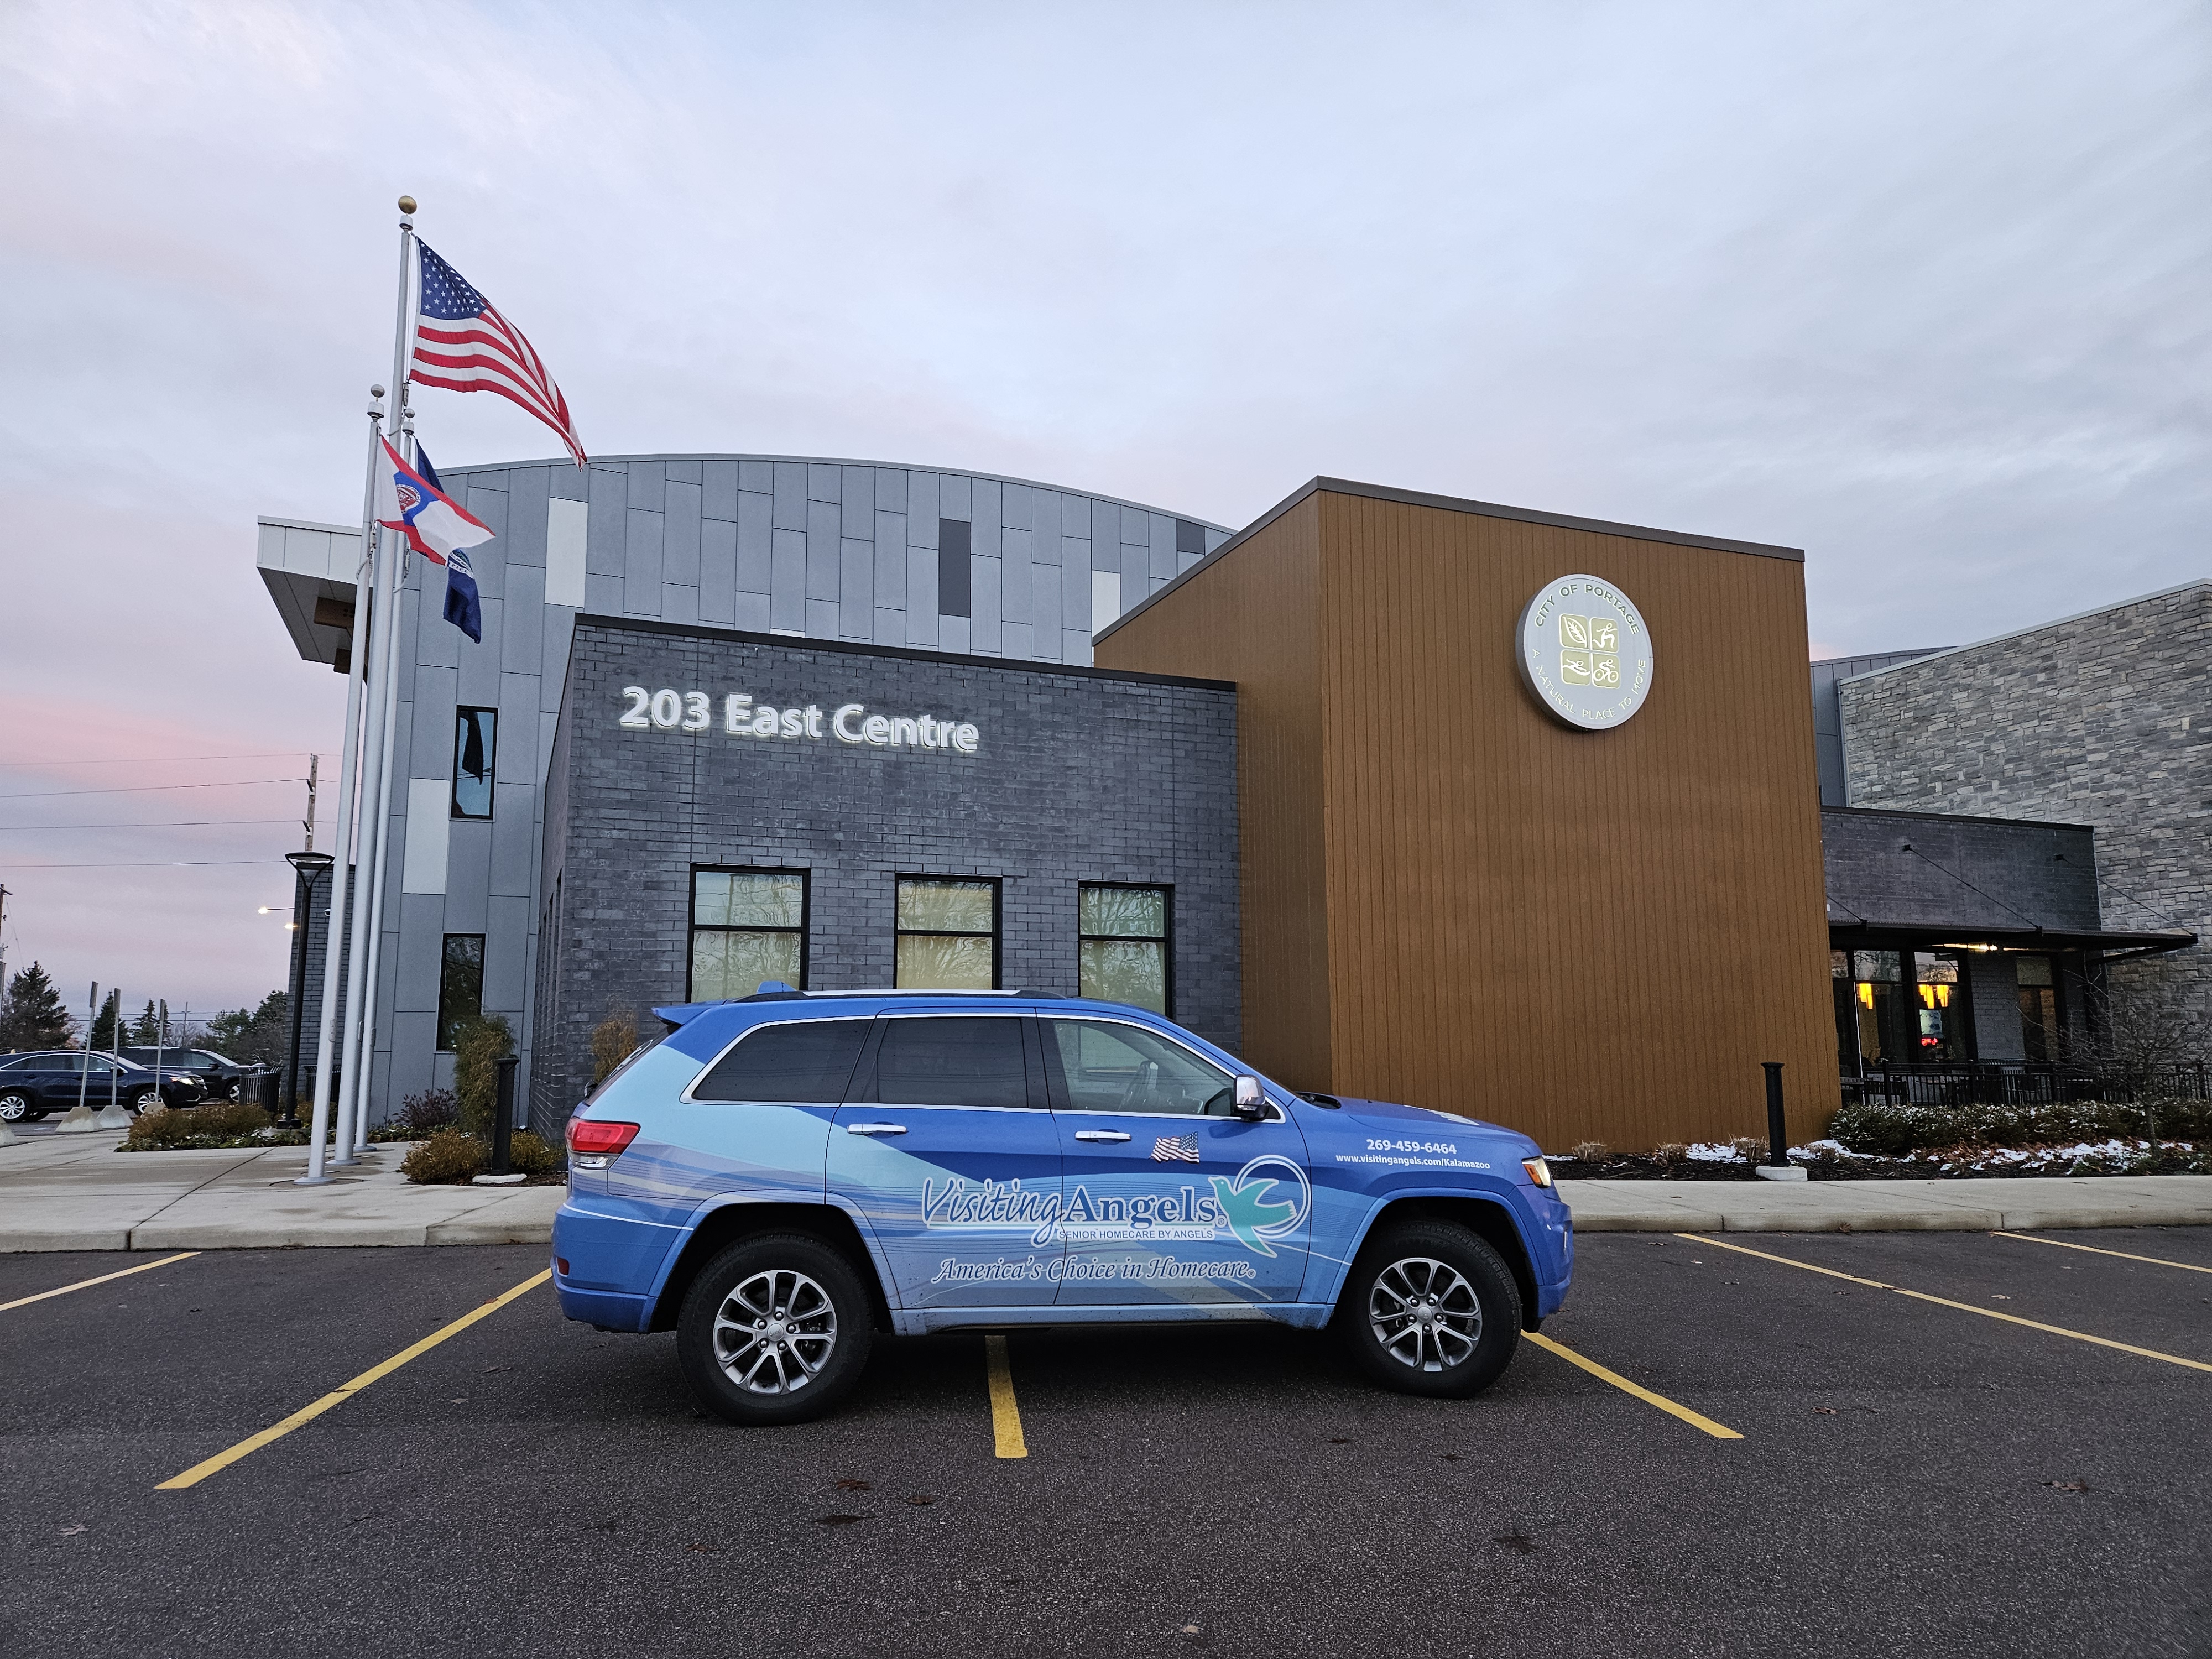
point(1100, 1135)
point(875, 1128)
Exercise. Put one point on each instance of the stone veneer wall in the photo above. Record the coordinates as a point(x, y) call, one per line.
point(2104, 719)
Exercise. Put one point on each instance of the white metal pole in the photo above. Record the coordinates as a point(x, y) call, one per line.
point(359, 1123)
point(358, 1047)
point(342, 879)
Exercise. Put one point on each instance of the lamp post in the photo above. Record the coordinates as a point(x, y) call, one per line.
point(309, 868)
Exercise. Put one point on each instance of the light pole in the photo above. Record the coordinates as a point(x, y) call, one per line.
point(309, 868)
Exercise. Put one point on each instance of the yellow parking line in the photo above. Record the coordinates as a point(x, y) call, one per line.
point(345, 1391)
point(1005, 1416)
point(1718, 1431)
point(2065, 1244)
point(1963, 1307)
point(87, 1284)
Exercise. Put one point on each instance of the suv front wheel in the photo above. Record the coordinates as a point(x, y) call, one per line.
point(774, 1330)
point(1429, 1308)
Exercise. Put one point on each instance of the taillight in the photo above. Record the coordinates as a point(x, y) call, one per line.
point(593, 1143)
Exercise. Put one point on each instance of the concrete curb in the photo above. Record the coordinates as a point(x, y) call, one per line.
point(1980, 1204)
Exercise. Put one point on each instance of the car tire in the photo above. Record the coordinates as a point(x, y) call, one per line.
point(774, 1330)
point(146, 1100)
point(16, 1107)
point(237, 1093)
point(1429, 1308)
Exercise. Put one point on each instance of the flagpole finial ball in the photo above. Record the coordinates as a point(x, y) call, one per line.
point(407, 205)
point(376, 391)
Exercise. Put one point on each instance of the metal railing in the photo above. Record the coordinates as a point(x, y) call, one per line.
point(2023, 1082)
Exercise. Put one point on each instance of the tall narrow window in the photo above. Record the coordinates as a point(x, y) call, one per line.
point(1943, 1030)
point(748, 927)
point(2039, 1030)
point(948, 935)
point(956, 567)
point(1876, 988)
point(460, 985)
point(1121, 953)
point(476, 737)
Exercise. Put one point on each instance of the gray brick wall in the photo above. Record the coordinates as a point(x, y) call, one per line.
point(2104, 719)
point(1080, 775)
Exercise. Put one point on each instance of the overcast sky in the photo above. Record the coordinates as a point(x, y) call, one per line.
point(1923, 289)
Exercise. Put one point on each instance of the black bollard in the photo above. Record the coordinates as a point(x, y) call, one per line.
point(1777, 1134)
point(502, 1120)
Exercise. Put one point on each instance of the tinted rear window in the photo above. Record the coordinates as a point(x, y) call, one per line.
point(803, 1062)
point(952, 1061)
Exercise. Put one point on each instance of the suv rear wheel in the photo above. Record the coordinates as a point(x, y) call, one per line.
point(15, 1106)
point(774, 1330)
point(1429, 1308)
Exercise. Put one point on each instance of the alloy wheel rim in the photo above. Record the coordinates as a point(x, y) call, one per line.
point(775, 1332)
point(1423, 1314)
point(12, 1109)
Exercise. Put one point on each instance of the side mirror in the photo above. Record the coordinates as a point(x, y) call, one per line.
point(1251, 1100)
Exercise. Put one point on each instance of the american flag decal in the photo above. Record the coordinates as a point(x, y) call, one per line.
point(1175, 1149)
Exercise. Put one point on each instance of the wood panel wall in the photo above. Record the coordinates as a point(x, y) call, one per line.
point(1585, 935)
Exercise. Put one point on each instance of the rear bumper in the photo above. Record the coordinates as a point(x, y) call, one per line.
point(605, 1266)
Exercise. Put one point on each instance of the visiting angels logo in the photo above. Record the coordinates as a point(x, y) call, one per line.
point(1262, 1204)
point(1585, 653)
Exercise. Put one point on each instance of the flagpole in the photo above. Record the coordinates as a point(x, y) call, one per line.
point(343, 884)
point(357, 1051)
point(357, 1125)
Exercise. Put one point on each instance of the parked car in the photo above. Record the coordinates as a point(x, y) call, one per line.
point(223, 1078)
point(48, 1079)
point(781, 1177)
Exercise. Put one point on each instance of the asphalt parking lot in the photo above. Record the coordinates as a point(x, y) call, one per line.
point(1911, 1478)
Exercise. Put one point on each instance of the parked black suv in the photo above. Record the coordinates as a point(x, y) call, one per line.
point(223, 1078)
point(47, 1080)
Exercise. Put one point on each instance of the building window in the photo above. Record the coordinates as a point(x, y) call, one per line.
point(460, 985)
point(948, 935)
point(1122, 952)
point(1875, 983)
point(2040, 1030)
point(1941, 1030)
point(956, 567)
point(1190, 539)
point(476, 735)
point(748, 927)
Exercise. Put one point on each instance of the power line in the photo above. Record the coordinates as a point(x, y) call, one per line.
point(178, 824)
point(151, 760)
point(144, 789)
point(166, 863)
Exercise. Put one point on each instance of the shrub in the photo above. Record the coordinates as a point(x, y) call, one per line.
point(478, 1046)
point(200, 1125)
point(612, 1041)
point(533, 1155)
point(1751, 1149)
point(1591, 1152)
point(1893, 1131)
point(1671, 1153)
point(447, 1157)
point(420, 1114)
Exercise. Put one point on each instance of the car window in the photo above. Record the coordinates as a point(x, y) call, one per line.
point(950, 1061)
point(1106, 1066)
point(792, 1062)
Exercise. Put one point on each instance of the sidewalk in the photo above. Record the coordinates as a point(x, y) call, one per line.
point(76, 1193)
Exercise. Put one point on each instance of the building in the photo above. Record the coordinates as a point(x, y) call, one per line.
point(1452, 897)
point(902, 557)
point(2098, 721)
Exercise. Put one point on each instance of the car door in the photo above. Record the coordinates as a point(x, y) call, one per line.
point(1168, 1196)
point(946, 1147)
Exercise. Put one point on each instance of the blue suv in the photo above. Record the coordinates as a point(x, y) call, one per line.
point(779, 1178)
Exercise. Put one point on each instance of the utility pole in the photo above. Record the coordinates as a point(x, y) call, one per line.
point(4, 940)
point(314, 765)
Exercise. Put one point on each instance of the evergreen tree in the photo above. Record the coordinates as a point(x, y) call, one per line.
point(103, 1026)
point(32, 1015)
point(254, 1036)
point(143, 1029)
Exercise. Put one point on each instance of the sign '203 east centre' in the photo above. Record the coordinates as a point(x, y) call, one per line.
point(667, 710)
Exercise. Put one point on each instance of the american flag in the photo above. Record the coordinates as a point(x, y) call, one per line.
point(464, 344)
point(1175, 1149)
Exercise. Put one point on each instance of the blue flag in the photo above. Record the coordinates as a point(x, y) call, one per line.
point(462, 609)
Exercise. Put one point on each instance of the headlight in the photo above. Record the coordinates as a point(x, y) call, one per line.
point(1539, 1171)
